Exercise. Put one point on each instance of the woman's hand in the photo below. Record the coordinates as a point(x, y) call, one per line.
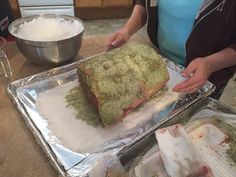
point(117, 39)
point(137, 19)
point(197, 72)
point(200, 69)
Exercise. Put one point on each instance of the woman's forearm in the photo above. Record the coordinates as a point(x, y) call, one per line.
point(222, 59)
point(137, 20)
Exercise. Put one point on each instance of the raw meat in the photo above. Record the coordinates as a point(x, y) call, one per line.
point(179, 156)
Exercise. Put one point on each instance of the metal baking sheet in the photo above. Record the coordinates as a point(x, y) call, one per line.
point(25, 92)
point(207, 108)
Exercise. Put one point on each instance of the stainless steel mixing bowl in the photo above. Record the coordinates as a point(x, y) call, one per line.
point(48, 52)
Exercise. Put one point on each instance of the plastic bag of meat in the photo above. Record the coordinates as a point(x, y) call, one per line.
point(179, 156)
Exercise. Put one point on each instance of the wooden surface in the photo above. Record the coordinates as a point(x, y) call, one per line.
point(88, 3)
point(15, 8)
point(103, 13)
point(20, 155)
point(102, 9)
point(108, 3)
point(102, 3)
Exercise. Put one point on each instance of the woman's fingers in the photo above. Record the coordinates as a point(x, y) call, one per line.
point(188, 85)
point(192, 83)
point(117, 39)
point(197, 73)
point(189, 70)
point(110, 40)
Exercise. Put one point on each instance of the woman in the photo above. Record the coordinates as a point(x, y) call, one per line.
point(198, 34)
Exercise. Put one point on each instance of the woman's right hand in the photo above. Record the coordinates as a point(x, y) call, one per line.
point(117, 39)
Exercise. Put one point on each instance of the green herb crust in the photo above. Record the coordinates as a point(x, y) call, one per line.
point(231, 132)
point(120, 80)
point(77, 99)
point(84, 109)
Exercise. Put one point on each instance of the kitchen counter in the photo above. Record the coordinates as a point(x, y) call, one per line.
point(20, 155)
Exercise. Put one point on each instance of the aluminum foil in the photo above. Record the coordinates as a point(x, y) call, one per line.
point(24, 93)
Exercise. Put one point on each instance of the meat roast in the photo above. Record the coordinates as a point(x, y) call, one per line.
point(118, 81)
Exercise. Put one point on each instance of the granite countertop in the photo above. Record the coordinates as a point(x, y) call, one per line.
point(20, 155)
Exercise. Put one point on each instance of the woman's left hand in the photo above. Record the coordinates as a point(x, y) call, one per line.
point(197, 72)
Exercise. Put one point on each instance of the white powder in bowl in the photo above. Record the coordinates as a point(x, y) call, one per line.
point(48, 29)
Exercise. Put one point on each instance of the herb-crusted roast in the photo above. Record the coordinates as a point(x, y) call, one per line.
point(120, 80)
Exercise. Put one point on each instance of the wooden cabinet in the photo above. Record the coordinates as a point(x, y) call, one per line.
point(88, 3)
point(98, 9)
point(15, 8)
point(101, 3)
point(92, 9)
point(107, 3)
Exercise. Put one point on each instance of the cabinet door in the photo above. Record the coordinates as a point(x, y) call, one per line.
point(15, 8)
point(117, 2)
point(13, 4)
point(88, 3)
